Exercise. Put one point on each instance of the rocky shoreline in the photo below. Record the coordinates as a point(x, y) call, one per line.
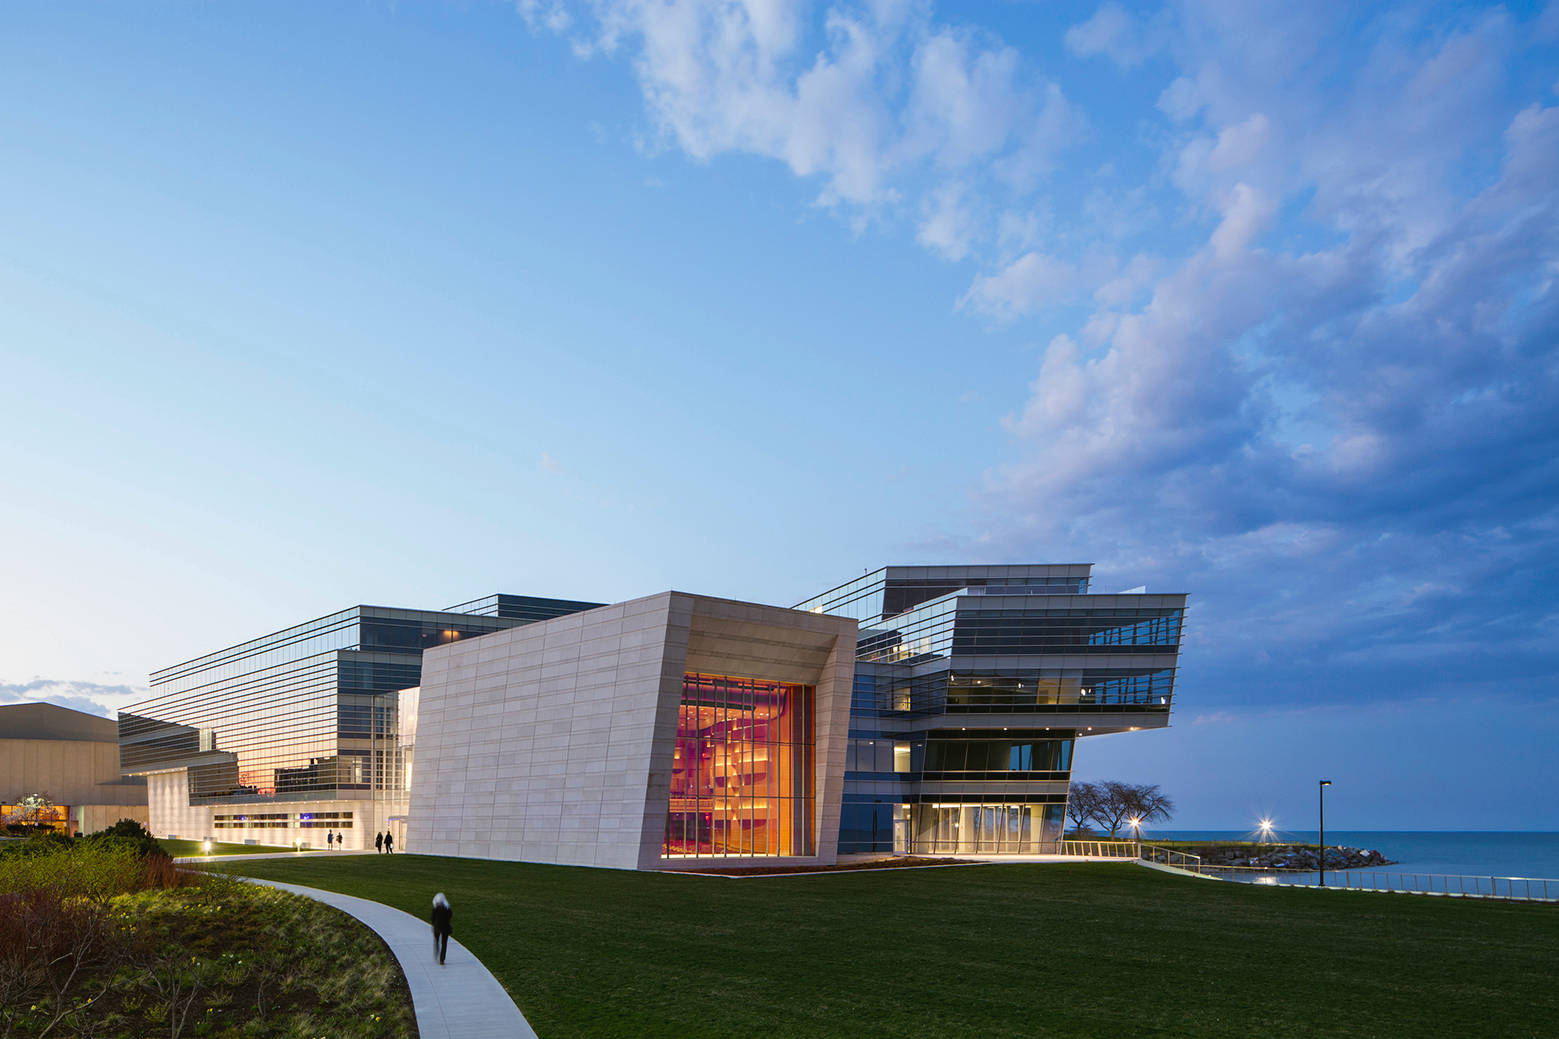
point(1289, 856)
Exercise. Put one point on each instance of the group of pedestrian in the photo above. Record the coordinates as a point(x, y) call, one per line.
point(383, 842)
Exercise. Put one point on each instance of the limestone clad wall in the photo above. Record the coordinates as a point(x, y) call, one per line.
point(552, 742)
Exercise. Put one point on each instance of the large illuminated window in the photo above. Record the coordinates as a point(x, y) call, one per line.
point(741, 774)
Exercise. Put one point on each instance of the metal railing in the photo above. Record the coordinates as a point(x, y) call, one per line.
point(1170, 857)
point(1100, 849)
point(1534, 889)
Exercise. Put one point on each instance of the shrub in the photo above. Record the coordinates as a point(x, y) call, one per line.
point(131, 834)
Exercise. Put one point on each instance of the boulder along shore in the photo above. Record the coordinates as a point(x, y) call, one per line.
point(1290, 856)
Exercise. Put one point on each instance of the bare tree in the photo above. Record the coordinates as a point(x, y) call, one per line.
point(1152, 804)
point(1082, 805)
point(1120, 802)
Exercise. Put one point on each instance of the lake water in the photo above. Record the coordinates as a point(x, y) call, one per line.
point(1421, 851)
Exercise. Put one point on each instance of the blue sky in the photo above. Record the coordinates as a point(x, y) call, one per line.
point(308, 305)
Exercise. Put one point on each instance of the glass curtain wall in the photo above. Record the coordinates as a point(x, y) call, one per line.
point(741, 775)
point(975, 829)
point(304, 714)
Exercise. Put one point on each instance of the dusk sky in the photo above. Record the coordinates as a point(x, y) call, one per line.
point(309, 305)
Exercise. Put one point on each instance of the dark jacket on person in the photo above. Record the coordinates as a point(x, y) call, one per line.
point(378, 841)
point(443, 919)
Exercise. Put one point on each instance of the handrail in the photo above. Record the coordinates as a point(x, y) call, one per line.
point(1100, 849)
point(1456, 884)
point(1171, 857)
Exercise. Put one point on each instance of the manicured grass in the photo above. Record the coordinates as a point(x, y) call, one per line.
point(988, 951)
point(184, 849)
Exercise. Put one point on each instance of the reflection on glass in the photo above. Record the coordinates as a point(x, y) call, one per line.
point(741, 775)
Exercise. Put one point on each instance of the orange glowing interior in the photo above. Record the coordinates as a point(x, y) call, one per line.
point(741, 773)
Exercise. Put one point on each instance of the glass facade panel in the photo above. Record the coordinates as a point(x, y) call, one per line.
point(948, 658)
point(307, 713)
point(985, 829)
point(741, 773)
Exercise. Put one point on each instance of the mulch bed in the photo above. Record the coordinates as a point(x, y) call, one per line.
point(911, 862)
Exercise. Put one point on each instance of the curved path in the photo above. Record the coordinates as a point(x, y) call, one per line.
point(460, 1000)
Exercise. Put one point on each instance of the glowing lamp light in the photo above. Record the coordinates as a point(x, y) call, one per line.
point(206, 846)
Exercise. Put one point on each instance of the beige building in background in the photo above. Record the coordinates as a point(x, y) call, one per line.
point(673, 731)
point(70, 757)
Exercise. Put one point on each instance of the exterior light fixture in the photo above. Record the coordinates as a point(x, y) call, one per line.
point(1321, 793)
point(206, 846)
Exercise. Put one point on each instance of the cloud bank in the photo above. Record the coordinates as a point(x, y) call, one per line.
point(87, 697)
point(1302, 325)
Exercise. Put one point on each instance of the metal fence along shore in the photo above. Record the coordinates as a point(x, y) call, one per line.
point(1525, 889)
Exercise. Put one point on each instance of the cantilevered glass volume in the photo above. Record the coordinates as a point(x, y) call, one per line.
point(972, 684)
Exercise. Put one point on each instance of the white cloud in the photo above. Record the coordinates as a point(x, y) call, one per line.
point(880, 105)
point(1032, 282)
point(1245, 215)
point(1136, 276)
point(947, 225)
point(1114, 33)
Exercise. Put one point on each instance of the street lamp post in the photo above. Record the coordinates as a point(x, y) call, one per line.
point(1136, 832)
point(1321, 793)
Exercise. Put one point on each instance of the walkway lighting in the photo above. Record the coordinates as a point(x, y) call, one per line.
point(206, 845)
point(1266, 829)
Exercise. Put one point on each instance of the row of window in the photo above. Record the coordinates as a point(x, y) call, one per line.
point(984, 755)
point(951, 829)
point(940, 629)
point(1012, 690)
point(282, 821)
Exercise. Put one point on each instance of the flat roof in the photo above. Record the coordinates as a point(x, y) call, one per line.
point(47, 721)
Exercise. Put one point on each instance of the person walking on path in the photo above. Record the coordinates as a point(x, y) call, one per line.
point(443, 925)
point(330, 841)
point(389, 843)
point(379, 842)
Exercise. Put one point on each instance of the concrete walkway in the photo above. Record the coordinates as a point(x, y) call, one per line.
point(460, 1000)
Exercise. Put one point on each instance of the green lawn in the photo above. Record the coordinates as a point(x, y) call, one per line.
point(178, 848)
point(987, 951)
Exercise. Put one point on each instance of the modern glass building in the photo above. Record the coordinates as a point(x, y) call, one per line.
point(297, 731)
point(914, 710)
point(973, 685)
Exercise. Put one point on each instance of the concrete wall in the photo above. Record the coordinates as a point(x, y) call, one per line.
point(70, 772)
point(171, 815)
point(552, 742)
